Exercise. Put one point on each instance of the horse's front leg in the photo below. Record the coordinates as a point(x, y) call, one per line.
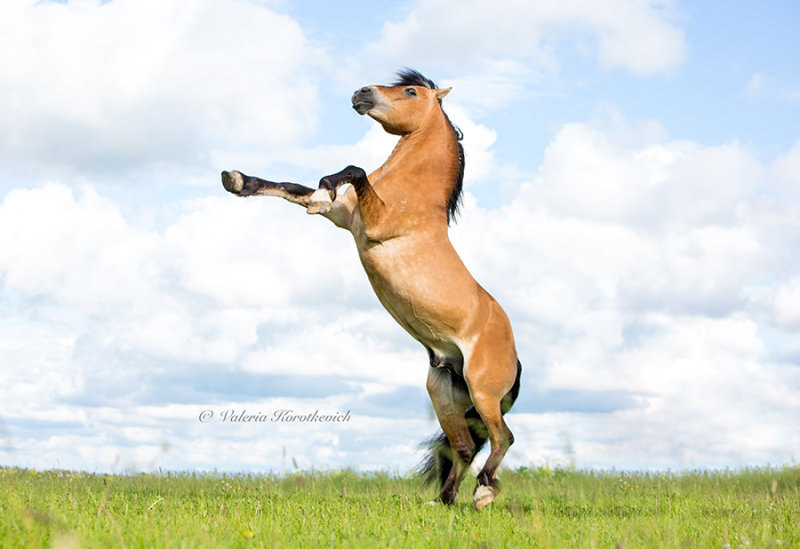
point(244, 185)
point(319, 201)
point(370, 203)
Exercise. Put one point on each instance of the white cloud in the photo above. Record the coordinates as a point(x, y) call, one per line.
point(505, 43)
point(361, 346)
point(637, 35)
point(785, 172)
point(196, 292)
point(639, 268)
point(588, 174)
point(244, 285)
point(784, 305)
point(135, 83)
point(78, 252)
point(368, 152)
point(630, 268)
point(498, 83)
point(478, 143)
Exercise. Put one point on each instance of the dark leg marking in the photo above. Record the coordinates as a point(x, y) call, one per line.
point(245, 185)
point(351, 174)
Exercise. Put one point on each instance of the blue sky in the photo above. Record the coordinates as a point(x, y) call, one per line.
point(632, 199)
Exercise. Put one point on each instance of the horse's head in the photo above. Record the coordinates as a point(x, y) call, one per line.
point(403, 107)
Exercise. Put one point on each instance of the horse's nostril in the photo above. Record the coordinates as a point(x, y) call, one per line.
point(364, 90)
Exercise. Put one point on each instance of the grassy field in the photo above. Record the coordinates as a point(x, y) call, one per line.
point(537, 508)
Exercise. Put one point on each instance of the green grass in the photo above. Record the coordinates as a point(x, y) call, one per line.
point(537, 508)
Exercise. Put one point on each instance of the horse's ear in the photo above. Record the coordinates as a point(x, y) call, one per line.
point(442, 92)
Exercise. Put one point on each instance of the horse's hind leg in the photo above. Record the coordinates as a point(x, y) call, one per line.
point(500, 438)
point(450, 399)
point(488, 383)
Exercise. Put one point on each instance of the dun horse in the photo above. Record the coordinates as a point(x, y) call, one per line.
point(399, 216)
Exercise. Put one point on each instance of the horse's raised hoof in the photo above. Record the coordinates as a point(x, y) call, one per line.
point(320, 202)
point(483, 496)
point(233, 182)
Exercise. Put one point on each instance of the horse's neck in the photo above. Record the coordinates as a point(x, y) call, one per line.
point(432, 149)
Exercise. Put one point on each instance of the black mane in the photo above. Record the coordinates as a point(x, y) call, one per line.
point(410, 77)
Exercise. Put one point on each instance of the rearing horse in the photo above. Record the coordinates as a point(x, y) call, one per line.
point(399, 216)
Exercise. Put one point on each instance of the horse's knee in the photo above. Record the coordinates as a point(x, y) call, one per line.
point(354, 173)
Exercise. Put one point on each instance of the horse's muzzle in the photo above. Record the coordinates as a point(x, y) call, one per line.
point(363, 100)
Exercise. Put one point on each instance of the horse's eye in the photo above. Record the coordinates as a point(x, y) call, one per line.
point(411, 91)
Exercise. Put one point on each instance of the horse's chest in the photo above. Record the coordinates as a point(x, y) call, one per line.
point(394, 275)
point(402, 281)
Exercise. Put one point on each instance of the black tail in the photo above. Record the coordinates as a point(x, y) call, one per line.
point(439, 459)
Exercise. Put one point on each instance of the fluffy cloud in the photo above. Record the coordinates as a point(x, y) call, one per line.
point(708, 396)
point(590, 174)
point(785, 171)
point(653, 273)
point(499, 46)
point(129, 84)
point(236, 304)
point(634, 272)
point(79, 253)
point(637, 35)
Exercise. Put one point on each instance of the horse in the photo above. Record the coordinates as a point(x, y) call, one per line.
point(399, 217)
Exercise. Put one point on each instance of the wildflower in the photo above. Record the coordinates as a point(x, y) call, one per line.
point(248, 534)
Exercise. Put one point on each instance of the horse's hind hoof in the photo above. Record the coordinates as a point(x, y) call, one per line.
point(233, 182)
point(483, 496)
